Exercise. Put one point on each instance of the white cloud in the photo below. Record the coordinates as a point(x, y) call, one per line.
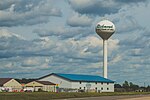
point(64, 32)
point(78, 20)
point(113, 44)
point(116, 59)
point(19, 14)
point(7, 34)
point(31, 61)
point(100, 7)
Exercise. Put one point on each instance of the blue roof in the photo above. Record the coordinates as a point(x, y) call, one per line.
point(87, 78)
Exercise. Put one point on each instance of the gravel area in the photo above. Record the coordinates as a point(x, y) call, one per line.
point(139, 98)
point(125, 97)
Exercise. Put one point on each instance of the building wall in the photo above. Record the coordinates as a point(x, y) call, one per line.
point(49, 88)
point(36, 86)
point(62, 83)
point(106, 87)
point(13, 84)
point(94, 86)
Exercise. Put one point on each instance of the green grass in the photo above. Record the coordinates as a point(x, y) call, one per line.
point(49, 96)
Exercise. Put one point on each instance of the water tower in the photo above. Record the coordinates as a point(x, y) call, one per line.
point(105, 29)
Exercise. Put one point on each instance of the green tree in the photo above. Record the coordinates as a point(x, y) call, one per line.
point(117, 86)
point(131, 84)
point(125, 85)
point(148, 88)
point(135, 87)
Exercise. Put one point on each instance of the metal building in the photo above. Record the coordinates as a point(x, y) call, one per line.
point(76, 82)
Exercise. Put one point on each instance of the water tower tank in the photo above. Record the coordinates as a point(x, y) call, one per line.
point(105, 29)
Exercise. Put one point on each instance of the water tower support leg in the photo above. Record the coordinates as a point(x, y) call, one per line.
point(105, 58)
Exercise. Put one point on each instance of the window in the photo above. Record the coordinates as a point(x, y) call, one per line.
point(80, 88)
point(84, 88)
point(101, 88)
point(80, 82)
point(102, 83)
point(95, 82)
point(107, 83)
point(107, 88)
point(96, 88)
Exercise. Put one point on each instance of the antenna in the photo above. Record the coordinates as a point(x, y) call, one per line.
point(105, 29)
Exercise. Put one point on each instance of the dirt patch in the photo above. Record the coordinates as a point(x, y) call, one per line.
point(125, 97)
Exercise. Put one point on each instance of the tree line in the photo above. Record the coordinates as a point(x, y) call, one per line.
point(131, 87)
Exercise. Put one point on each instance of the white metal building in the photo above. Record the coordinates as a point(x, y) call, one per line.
point(80, 82)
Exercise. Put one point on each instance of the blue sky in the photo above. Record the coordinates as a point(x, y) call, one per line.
point(38, 37)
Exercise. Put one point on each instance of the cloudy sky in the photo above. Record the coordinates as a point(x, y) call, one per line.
point(39, 37)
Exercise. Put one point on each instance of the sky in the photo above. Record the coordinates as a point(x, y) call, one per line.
point(39, 37)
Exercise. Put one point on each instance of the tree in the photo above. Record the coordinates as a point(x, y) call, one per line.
point(125, 85)
point(135, 87)
point(131, 84)
point(117, 86)
point(148, 88)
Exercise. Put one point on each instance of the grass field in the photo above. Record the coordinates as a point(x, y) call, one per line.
point(49, 96)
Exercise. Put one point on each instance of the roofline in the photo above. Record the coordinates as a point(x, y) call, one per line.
point(31, 82)
point(44, 76)
point(74, 80)
point(55, 75)
point(81, 80)
point(6, 81)
point(94, 81)
point(45, 81)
